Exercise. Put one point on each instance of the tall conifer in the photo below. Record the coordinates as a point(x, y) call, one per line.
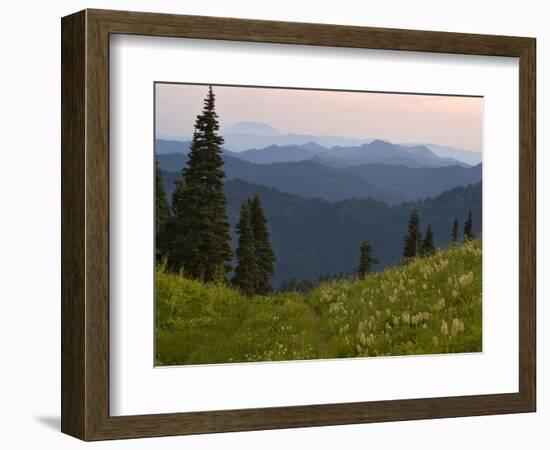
point(201, 247)
point(162, 216)
point(366, 261)
point(454, 232)
point(427, 248)
point(413, 239)
point(246, 272)
point(162, 209)
point(468, 227)
point(264, 253)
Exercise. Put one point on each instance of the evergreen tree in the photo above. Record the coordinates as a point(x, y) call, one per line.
point(162, 209)
point(427, 248)
point(264, 253)
point(366, 260)
point(162, 216)
point(413, 239)
point(468, 227)
point(246, 275)
point(201, 245)
point(454, 232)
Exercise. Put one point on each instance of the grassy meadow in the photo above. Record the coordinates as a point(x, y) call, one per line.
point(431, 305)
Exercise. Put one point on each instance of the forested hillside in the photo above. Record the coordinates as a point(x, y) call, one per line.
point(312, 178)
point(313, 238)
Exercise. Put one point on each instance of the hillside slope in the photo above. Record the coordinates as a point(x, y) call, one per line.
point(308, 179)
point(432, 305)
point(314, 179)
point(416, 183)
point(312, 238)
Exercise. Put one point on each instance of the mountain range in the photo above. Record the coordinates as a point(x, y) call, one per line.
point(443, 151)
point(322, 201)
point(312, 179)
point(244, 136)
point(376, 151)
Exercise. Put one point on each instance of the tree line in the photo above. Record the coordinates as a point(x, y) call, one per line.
point(415, 244)
point(193, 235)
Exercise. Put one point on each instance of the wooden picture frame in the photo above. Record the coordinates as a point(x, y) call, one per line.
point(85, 224)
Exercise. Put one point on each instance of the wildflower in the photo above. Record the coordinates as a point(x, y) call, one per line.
point(466, 279)
point(406, 318)
point(444, 328)
point(454, 294)
point(457, 327)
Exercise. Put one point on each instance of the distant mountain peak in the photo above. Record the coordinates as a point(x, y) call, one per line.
point(314, 146)
point(379, 142)
point(254, 128)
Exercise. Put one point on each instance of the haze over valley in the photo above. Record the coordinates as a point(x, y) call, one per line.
point(323, 194)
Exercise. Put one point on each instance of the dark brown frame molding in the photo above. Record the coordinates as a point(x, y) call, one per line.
point(85, 224)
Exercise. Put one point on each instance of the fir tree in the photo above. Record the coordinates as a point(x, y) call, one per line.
point(162, 209)
point(162, 216)
point(413, 239)
point(201, 246)
point(264, 253)
point(468, 228)
point(245, 277)
point(454, 232)
point(366, 260)
point(427, 248)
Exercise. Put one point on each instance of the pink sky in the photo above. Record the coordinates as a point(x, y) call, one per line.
point(399, 118)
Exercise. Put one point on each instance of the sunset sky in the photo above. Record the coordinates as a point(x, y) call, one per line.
point(399, 118)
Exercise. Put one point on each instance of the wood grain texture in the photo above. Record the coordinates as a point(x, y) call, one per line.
point(85, 224)
point(527, 224)
point(73, 108)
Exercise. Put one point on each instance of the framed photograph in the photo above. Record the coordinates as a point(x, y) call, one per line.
point(273, 225)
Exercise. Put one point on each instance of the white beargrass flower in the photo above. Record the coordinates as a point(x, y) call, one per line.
point(444, 328)
point(466, 279)
point(457, 327)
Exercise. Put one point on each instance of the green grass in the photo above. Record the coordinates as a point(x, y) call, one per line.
point(431, 305)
